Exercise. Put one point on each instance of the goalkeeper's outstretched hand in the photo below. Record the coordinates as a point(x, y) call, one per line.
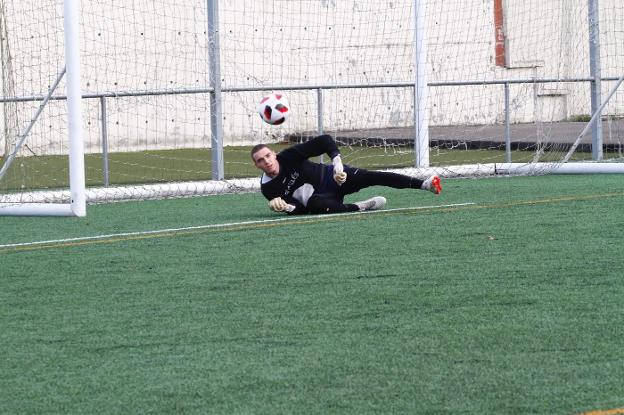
point(340, 178)
point(339, 174)
point(279, 205)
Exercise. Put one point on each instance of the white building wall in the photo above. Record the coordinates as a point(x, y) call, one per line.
point(148, 45)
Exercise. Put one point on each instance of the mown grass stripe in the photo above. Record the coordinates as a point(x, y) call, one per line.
point(290, 220)
point(158, 233)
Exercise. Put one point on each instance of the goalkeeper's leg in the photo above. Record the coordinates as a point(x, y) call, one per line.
point(329, 203)
point(358, 179)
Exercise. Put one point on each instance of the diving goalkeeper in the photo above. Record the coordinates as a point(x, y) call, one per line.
point(296, 185)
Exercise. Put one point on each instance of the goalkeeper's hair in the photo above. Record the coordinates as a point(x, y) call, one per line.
point(257, 148)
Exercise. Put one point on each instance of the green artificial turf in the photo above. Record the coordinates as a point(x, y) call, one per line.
point(508, 305)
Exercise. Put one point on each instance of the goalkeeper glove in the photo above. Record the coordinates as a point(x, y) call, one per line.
point(279, 205)
point(339, 174)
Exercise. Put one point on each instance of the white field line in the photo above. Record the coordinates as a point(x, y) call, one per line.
point(298, 218)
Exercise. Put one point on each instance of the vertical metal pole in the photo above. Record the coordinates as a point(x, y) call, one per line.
point(104, 134)
point(319, 110)
point(214, 63)
point(319, 113)
point(595, 72)
point(421, 119)
point(507, 127)
point(74, 96)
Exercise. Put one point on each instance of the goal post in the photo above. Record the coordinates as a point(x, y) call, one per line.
point(74, 98)
point(75, 205)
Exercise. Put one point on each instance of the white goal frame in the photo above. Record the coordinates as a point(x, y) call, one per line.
point(77, 202)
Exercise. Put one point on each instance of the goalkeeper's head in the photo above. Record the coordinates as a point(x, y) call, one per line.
point(265, 159)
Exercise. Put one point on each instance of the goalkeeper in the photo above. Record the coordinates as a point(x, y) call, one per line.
point(295, 185)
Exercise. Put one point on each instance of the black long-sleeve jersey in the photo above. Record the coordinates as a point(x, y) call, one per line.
point(298, 177)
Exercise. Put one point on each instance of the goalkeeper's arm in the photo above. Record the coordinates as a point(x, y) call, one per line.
point(323, 144)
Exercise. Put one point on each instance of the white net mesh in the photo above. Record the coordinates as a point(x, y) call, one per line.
point(347, 68)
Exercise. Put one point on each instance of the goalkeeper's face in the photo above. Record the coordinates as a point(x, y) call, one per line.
point(265, 160)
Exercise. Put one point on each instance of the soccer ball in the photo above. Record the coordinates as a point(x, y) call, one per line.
point(274, 109)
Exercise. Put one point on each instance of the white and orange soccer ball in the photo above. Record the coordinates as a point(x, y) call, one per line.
point(274, 109)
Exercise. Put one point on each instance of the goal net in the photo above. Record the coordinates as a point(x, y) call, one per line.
point(170, 89)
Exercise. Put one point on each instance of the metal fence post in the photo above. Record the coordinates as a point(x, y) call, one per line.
point(104, 136)
point(421, 119)
point(507, 127)
point(595, 72)
point(319, 113)
point(319, 110)
point(216, 105)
